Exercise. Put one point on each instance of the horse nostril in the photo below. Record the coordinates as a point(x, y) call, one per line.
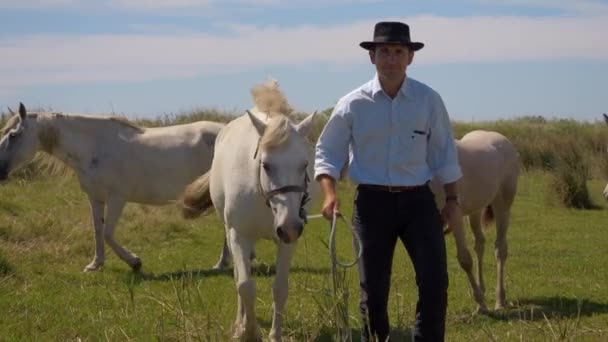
point(300, 229)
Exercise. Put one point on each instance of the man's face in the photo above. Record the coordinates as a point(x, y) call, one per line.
point(391, 60)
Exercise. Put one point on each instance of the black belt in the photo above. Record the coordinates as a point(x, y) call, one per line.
point(393, 188)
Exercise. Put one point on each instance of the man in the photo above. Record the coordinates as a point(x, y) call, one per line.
point(395, 134)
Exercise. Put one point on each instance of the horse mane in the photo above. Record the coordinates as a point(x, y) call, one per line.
point(12, 121)
point(52, 166)
point(270, 100)
point(121, 121)
point(10, 124)
point(125, 122)
point(49, 139)
point(276, 133)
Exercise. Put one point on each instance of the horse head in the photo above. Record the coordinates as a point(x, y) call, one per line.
point(18, 141)
point(284, 154)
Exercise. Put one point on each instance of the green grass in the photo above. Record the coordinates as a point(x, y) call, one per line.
point(556, 274)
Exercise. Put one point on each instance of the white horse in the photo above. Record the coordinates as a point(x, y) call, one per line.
point(258, 184)
point(490, 167)
point(115, 161)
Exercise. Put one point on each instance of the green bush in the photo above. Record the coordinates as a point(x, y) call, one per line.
point(569, 177)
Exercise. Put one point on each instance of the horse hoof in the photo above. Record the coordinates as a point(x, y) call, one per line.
point(136, 266)
point(275, 338)
point(483, 310)
point(254, 338)
point(92, 267)
point(240, 333)
point(220, 266)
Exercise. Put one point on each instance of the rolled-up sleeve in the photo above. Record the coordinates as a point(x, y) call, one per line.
point(331, 152)
point(442, 155)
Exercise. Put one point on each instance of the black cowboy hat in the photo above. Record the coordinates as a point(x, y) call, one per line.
point(391, 32)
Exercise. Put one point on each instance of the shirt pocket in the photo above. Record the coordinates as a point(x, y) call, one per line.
point(415, 143)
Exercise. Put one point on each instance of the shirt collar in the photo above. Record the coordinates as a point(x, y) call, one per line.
point(405, 90)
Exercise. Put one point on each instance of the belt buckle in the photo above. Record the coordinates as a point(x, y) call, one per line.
point(393, 189)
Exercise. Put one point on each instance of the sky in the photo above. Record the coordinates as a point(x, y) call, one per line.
point(488, 59)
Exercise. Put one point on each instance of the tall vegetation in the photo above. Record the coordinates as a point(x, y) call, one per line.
point(571, 151)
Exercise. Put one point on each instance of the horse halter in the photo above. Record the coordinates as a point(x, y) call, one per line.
point(284, 189)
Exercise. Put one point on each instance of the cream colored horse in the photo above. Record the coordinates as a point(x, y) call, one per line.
point(115, 161)
point(490, 167)
point(258, 184)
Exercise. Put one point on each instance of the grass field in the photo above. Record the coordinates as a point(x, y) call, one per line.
point(556, 274)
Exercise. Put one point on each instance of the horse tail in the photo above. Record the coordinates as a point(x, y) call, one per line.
point(487, 216)
point(196, 199)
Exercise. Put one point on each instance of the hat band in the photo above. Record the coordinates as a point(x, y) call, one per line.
point(383, 39)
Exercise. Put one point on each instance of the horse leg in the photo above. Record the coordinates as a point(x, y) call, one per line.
point(240, 313)
point(501, 251)
point(245, 325)
point(480, 242)
point(97, 213)
point(224, 259)
point(466, 263)
point(279, 289)
point(114, 211)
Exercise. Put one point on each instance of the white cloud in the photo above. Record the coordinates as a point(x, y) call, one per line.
point(159, 5)
point(52, 59)
point(36, 3)
point(512, 38)
point(147, 5)
point(593, 7)
point(590, 7)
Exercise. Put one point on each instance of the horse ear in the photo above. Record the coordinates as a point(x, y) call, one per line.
point(305, 125)
point(22, 111)
point(606, 118)
point(259, 125)
point(10, 111)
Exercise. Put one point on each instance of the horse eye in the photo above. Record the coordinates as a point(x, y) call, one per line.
point(12, 135)
point(266, 167)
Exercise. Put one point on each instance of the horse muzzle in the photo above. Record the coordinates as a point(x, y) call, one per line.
point(289, 233)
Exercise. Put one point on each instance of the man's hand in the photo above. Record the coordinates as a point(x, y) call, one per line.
point(330, 204)
point(450, 214)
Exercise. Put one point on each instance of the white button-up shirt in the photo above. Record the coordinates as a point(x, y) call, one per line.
point(402, 141)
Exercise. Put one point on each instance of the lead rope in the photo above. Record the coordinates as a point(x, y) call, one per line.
point(332, 241)
point(339, 286)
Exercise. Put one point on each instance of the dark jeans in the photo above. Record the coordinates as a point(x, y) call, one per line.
point(380, 217)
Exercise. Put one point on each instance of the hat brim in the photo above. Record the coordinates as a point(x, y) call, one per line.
point(414, 46)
